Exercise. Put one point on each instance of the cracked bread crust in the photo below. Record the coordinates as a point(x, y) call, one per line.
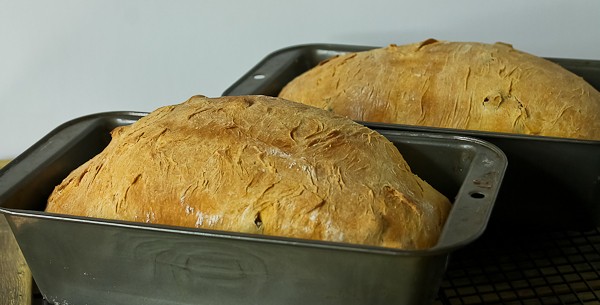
point(462, 85)
point(257, 164)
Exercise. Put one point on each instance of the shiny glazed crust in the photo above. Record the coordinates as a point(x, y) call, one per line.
point(261, 165)
point(477, 86)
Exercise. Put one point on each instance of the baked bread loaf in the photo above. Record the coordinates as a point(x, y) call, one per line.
point(257, 164)
point(477, 86)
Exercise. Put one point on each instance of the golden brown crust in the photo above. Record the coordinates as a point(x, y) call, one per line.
point(490, 87)
point(260, 165)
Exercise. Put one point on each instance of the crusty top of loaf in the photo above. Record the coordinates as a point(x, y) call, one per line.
point(464, 85)
point(257, 164)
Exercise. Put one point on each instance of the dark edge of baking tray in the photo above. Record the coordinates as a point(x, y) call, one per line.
point(551, 184)
point(58, 153)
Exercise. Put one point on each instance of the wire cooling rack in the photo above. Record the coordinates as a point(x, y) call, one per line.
point(531, 269)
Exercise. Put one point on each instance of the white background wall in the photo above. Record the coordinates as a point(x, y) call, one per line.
point(62, 59)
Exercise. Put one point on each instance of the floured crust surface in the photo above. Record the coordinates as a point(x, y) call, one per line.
point(257, 164)
point(463, 85)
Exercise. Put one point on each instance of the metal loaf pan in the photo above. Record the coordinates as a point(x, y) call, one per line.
point(76, 260)
point(551, 183)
